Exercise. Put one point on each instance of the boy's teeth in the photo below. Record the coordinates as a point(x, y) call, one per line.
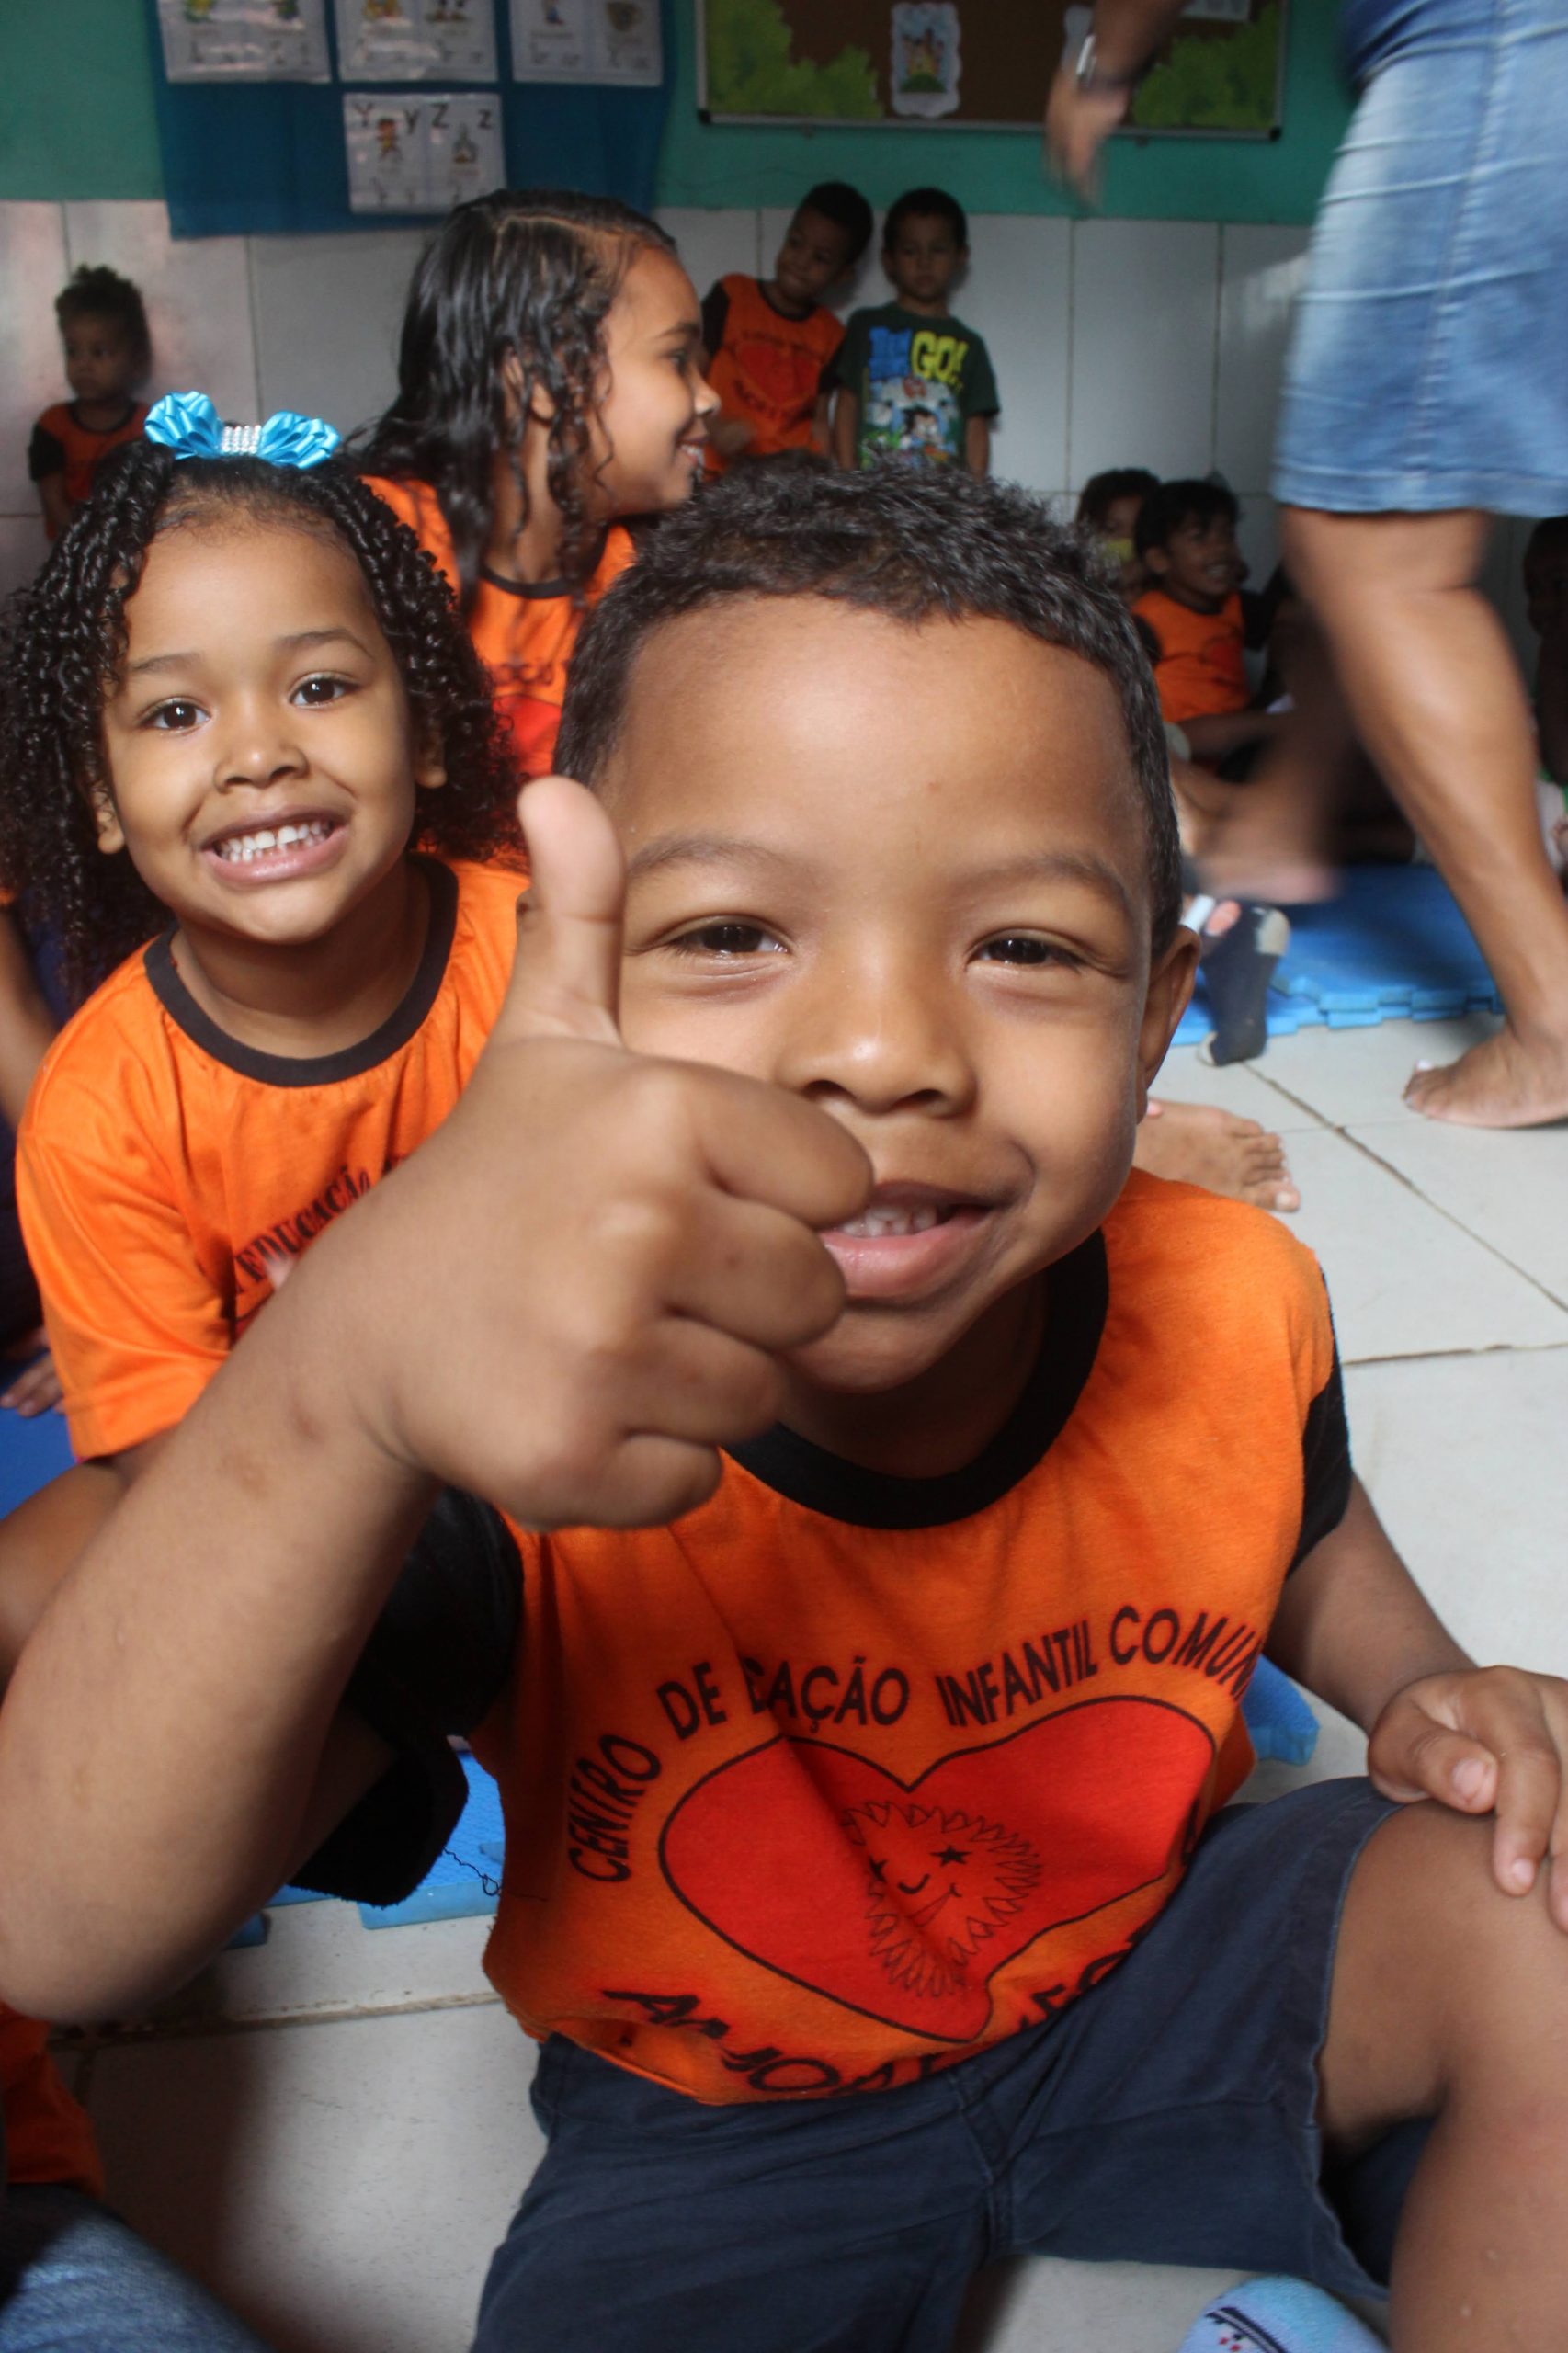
point(878, 1222)
point(240, 848)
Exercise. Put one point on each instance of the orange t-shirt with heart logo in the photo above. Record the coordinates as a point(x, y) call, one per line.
point(843, 1778)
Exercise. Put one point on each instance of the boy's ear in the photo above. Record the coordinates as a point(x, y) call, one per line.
point(1170, 988)
point(106, 819)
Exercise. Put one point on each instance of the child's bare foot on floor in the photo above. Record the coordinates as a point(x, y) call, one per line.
point(1198, 1145)
point(1505, 1081)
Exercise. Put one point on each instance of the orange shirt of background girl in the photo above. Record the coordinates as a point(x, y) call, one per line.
point(523, 632)
point(1200, 671)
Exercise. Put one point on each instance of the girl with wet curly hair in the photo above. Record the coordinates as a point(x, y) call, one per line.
point(550, 384)
point(247, 746)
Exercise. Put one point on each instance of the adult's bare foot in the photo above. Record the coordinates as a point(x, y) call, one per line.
point(1276, 879)
point(1197, 1144)
point(1505, 1081)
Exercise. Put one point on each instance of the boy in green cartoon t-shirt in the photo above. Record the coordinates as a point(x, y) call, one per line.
point(911, 381)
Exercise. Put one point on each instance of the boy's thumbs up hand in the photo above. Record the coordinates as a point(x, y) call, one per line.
point(578, 1289)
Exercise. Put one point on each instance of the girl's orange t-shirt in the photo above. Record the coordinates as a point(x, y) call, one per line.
point(47, 2137)
point(523, 632)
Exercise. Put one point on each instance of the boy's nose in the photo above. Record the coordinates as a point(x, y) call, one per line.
point(883, 1040)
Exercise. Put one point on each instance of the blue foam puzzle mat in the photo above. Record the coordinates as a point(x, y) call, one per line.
point(1393, 946)
point(464, 1879)
point(31, 1453)
point(1279, 1722)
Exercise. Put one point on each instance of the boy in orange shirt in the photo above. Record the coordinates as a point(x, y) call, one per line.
point(108, 351)
point(1198, 621)
point(771, 341)
point(867, 1866)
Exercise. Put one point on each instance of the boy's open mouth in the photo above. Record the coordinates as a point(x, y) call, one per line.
point(907, 1238)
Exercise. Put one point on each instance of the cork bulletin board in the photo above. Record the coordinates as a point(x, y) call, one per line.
point(974, 64)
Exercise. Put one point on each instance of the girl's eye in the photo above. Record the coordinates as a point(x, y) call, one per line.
point(727, 939)
point(174, 716)
point(1021, 948)
point(313, 692)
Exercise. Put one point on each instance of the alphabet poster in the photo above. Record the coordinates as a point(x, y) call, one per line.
point(417, 41)
point(421, 152)
point(245, 40)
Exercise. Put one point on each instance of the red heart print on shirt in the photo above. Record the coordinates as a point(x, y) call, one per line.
point(902, 1900)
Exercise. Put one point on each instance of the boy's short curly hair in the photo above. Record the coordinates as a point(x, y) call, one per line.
point(917, 544)
point(64, 640)
point(926, 204)
point(99, 292)
point(1175, 503)
point(848, 209)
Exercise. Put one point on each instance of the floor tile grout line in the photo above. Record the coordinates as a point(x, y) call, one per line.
point(1458, 1224)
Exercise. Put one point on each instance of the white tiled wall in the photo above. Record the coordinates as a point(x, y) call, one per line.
point(1154, 343)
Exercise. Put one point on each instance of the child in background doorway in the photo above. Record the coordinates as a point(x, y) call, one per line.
point(550, 386)
point(103, 327)
point(914, 382)
point(771, 341)
point(1198, 623)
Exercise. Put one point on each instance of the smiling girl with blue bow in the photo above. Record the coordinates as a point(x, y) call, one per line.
point(245, 746)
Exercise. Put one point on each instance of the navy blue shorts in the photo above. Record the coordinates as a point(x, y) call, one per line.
point(1168, 2117)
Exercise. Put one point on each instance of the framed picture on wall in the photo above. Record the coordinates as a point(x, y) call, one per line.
point(976, 64)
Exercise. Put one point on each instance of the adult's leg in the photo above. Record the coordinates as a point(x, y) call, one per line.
point(1437, 699)
point(1450, 1998)
point(73, 2279)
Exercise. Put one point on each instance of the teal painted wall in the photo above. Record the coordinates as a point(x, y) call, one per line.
point(76, 121)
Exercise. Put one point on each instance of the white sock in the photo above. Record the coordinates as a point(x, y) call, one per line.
point(1278, 2316)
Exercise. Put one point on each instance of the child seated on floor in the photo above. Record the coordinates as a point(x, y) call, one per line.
point(1108, 509)
point(1198, 624)
point(913, 383)
point(866, 1872)
point(267, 790)
point(771, 341)
point(108, 351)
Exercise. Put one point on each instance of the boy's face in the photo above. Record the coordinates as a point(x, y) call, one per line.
point(814, 256)
point(1199, 564)
point(923, 260)
point(99, 358)
point(902, 871)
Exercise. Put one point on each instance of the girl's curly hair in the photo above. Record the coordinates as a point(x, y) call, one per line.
point(64, 645)
point(529, 275)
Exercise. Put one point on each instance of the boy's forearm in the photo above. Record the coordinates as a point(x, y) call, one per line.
point(1353, 1625)
point(846, 415)
point(977, 445)
point(168, 1721)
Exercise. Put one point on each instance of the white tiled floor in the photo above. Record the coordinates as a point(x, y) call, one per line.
point(341, 2161)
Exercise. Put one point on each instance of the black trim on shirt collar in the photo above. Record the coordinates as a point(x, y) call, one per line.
point(318, 1070)
point(98, 432)
point(544, 587)
point(807, 1474)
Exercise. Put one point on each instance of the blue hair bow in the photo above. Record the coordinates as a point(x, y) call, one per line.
point(188, 423)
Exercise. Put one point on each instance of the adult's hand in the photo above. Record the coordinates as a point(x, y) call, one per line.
point(1077, 124)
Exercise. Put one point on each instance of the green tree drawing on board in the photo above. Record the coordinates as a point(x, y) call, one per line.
point(1208, 85)
point(751, 69)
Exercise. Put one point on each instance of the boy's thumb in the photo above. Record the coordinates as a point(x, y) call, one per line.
point(566, 980)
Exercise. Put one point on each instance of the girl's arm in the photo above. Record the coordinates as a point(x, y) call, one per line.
point(977, 445)
point(845, 429)
point(55, 505)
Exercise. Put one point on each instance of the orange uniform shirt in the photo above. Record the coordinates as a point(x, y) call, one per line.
point(60, 444)
point(1200, 671)
point(168, 1177)
point(47, 2137)
point(523, 635)
point(842, 1778)
point(765, 366)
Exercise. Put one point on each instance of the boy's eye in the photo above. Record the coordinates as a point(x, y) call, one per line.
point(313, 692)
point(727, 938)
point(174, 716)
point(1021, 948)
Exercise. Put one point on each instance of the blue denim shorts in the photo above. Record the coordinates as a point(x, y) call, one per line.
point(1168, 2116)
point(1428, 366)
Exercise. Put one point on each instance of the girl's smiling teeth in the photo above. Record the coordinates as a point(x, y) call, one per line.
point(241, 849)
point(891, 1218)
